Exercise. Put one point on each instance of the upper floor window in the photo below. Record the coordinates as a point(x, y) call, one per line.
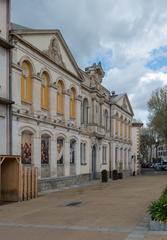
point(45, 91)
point(116, 127)
point(129, 131)
point(85, 111)
point(72, 103)
point(125, 128)
point(121, 126)
point(106, 119)
point(26, 82)
point(60, 97)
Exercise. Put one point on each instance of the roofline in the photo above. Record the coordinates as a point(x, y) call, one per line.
point(46, 31)
point(137, 124)
point(26, 43)
point(6, 101)
point(27, 31)
point(131, 114)
point(5, 43)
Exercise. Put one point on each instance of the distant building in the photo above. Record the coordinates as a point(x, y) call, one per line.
point(162, 151)
point(5, 83)
point(135, 158)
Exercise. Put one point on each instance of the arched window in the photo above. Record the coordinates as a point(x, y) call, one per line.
point(72, 103)
point(85, 111)
point(45, 149)
point(26, 147)
point(106, 119)
point(116, 127)
point(60, 97)
point(26, 82)
point(72, 151)
point(45, 91)
point(129, 131)
point(121, 126)
point(125, 128)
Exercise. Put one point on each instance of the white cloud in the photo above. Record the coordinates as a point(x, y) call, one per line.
point(126, 29)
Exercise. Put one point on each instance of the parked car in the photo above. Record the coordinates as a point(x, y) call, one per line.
point(158, 166)
point(164, 165)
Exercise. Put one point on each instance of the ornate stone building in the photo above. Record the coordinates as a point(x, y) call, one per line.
point(5, 87)
point(64, 120)
point(136, 156)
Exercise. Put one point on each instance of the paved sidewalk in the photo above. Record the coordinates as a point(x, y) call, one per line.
point(116, 211)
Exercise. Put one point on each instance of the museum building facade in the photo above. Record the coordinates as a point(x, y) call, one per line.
point(64, 120)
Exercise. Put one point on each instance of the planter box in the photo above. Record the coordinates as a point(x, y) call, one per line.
point(120, 175)
point(115, 174)
point(158, 226)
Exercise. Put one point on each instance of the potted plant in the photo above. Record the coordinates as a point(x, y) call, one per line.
point(120, 173)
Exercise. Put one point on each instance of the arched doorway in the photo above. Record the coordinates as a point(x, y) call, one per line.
point(94, 162)
point(72, 157)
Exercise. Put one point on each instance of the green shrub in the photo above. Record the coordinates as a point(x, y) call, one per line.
point(165, 191)
point(158, 209)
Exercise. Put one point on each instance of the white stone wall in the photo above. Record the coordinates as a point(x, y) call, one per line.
point(4, 78)
point(37, 121)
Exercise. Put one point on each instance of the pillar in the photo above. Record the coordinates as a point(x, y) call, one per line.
point(53, 101)
point(36, 94)
point(78, 112)
point(37, 153)
point(66, 107)
point(53, 158)
point(67, 158)
point(77, 160)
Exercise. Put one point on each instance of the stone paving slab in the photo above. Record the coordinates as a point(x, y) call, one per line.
point(54, 234)
point(157, 237)
point(115, 210)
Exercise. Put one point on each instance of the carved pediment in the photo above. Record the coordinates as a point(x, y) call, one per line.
point(124, 104)
point(54, 52)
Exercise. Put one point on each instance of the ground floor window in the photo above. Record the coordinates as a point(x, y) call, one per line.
point(45, 149)
point(83, 153)
point(60, 151)
point(116, 158)
point(104, 155)
point(26, 148)
point(72, 151)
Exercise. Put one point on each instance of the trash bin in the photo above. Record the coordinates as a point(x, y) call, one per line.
point(104, 176)
point(115, 174)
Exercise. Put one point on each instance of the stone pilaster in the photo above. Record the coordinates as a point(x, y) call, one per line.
point(67, 158)
point(77, 161)
point(37, 153)
point(66, 107)
point(36, 94)
point(78, 112)
point(53, 101)
point(53, 158)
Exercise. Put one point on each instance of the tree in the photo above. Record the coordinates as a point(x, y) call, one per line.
point(149, 142)
point(157, 106)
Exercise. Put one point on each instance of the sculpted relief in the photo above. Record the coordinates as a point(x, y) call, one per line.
point(54, 52)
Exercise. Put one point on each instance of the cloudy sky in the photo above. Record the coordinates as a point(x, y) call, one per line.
point(129, 37)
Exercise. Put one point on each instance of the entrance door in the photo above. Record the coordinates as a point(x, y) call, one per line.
point(94, 162)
